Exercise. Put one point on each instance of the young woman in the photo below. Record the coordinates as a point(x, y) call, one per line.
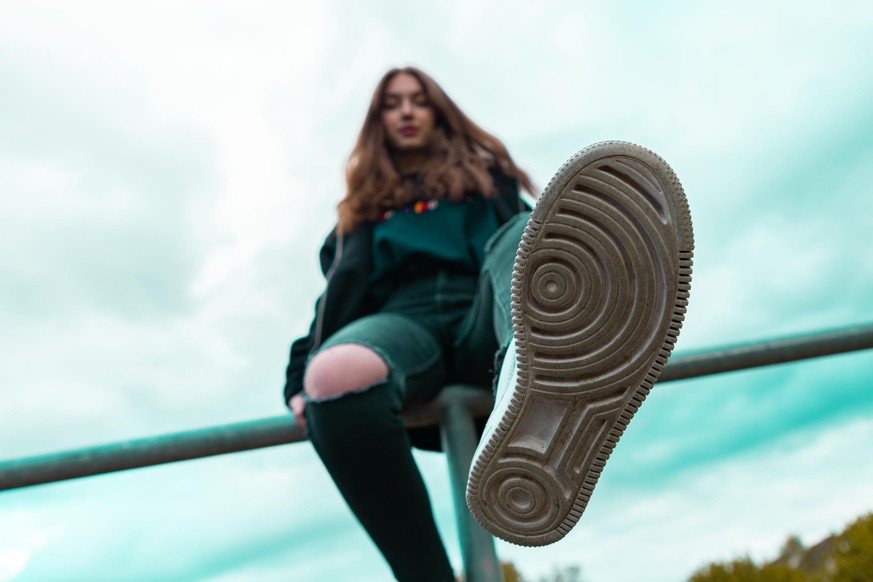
point(434, 266)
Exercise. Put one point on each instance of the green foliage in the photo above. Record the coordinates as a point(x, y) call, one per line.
point(559, 574)
point(792, 552)
point(510, 573)
point(745, 570)
point(847, 557)
point(853, 552)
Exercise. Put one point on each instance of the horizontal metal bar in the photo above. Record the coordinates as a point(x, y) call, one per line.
point(280, 430)
point(767, 353)
point(144, 452)
point(199, 443)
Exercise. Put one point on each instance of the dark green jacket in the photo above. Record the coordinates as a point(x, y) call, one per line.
point(346, 264)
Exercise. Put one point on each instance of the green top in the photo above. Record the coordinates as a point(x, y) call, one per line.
point(452, 234)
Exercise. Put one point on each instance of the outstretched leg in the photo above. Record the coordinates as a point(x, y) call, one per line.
point(599, 292)
point(488, 324)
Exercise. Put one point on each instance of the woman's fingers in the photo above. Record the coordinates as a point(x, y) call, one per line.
point(298, 404)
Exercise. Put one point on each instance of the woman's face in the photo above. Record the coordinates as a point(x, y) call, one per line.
point(407, 115)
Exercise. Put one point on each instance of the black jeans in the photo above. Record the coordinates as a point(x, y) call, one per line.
point(434, 329)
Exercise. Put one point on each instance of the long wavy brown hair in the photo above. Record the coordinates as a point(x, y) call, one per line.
point(461, 158)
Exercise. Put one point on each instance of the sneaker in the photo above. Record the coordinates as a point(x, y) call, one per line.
point(599, 291)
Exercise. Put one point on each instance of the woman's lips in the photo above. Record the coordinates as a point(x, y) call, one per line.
point(408, 131)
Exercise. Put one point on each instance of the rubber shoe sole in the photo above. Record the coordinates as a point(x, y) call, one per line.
point(599, 292)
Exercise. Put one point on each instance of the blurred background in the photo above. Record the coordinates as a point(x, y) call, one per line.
point(168, 171)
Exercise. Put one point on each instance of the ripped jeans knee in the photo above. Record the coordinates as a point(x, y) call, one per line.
point(342, 369)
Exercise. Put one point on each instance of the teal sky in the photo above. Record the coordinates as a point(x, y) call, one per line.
point(168, 170)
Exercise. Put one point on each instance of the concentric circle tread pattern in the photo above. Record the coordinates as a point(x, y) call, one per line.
point(599, 292)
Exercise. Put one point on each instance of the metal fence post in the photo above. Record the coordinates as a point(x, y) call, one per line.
point(459, 442)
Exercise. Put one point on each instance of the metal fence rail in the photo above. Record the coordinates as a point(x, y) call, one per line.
point(279, 430)
point(766, 353)
point(454, 410)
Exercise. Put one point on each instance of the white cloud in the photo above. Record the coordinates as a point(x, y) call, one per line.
point(167, 172)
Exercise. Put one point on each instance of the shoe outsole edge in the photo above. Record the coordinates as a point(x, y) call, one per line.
point(547, 483)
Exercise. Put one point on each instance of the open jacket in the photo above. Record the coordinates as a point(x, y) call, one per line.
point(346, 264)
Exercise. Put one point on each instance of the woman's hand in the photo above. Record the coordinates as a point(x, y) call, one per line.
point(297, 404)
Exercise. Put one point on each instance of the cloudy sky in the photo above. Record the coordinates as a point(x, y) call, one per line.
point(168, 170)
